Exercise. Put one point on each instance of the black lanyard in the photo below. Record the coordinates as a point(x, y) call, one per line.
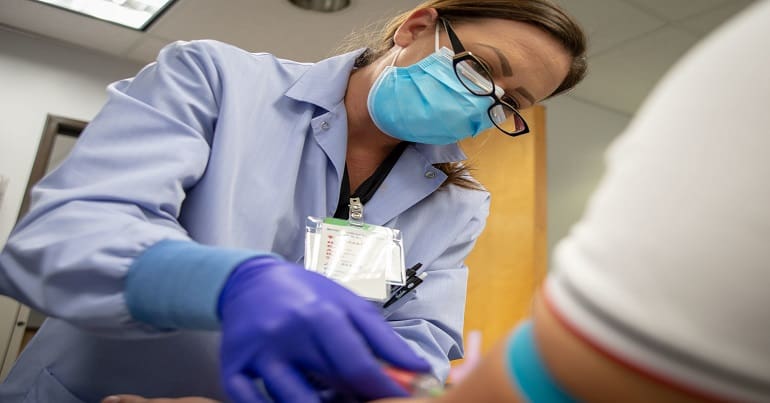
point(366, 191)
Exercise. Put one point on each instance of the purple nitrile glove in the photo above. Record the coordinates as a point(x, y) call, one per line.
point(281, 323)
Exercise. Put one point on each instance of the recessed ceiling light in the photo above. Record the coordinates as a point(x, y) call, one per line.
point(135, 14)
point(326, 6)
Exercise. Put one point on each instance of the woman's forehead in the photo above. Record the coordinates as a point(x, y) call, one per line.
point(519, 46)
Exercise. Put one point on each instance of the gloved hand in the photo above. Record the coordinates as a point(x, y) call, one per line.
point(282, 323)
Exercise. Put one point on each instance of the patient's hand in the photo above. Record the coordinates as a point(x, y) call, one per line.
point(139, 399)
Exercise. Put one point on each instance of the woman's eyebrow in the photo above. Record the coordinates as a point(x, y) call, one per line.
point(507, 72)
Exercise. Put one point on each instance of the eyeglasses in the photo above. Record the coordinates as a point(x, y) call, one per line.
point(476, 77)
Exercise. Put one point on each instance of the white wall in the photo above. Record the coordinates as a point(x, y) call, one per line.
point(38, 77)
point(578, 133)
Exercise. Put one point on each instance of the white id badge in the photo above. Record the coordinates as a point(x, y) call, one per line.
point(365, 258)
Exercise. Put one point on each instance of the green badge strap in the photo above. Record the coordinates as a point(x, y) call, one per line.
point(344, 223)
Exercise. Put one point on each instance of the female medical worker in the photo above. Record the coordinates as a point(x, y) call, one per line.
point(181, 211)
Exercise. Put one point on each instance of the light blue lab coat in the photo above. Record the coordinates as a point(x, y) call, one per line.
point(227, 148)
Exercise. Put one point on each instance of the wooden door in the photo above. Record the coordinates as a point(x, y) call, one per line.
point(509, 260)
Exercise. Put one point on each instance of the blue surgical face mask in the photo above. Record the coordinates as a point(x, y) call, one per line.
point(426, 103)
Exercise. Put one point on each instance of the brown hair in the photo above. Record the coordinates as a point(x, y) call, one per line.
point(541, 13)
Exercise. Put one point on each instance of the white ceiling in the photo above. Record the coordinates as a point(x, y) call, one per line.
point(632, 42)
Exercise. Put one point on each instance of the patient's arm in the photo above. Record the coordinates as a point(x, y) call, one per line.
point(589, 375)
point(579, 368)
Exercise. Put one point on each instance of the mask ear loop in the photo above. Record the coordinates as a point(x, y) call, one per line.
point(435, 46)
point(393, 62)
point(483, 139)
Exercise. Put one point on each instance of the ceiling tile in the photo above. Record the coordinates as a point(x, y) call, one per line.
point(67, 26)
point(610, 22)
point(704, 23)
point(621, 78)
point(674, 10)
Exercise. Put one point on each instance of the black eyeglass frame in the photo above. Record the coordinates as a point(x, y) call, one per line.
point(460, 55)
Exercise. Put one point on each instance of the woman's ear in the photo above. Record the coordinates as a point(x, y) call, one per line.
point(415, 25)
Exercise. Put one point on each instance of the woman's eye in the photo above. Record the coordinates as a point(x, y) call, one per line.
point(479, 70)
point(511, 101)
point(483, 65)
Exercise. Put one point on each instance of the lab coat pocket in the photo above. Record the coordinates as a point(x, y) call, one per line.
point(48, 389)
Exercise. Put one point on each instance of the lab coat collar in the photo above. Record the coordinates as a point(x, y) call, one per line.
point(324, 83)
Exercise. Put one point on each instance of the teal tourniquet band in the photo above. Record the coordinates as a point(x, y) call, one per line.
point(176, 284)
point(528, 371)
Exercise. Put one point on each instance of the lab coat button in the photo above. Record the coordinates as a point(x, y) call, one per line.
point(325, 125)
point(430, 174)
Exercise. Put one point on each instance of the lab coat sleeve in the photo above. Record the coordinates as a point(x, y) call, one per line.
point(118, 194)
point(432, 321)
